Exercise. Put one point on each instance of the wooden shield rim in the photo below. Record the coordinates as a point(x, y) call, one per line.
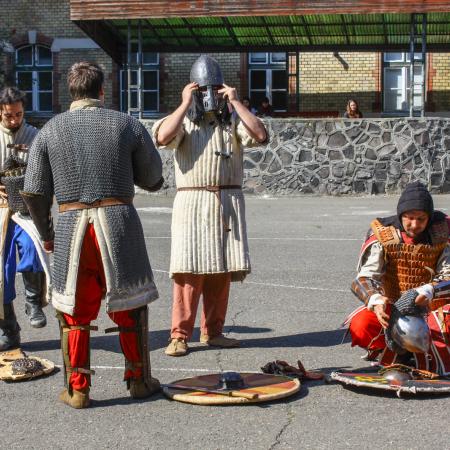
point(349, 381)
point(201, 398)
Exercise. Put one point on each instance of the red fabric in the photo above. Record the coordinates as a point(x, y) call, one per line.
point(187, 290)
point(366, 330)
point(91, 287)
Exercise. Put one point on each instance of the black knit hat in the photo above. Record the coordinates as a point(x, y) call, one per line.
point(415, 196)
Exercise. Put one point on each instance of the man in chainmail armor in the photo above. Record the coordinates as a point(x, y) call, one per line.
point(402, 254)
point(209, 238)
point(90, 158)
point(18, 231)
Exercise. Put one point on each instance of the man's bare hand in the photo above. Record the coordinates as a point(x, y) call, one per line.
point(422, 300)
point(228, 92)
point(382, 316)
point(3, 194)
point(186, 95)
point(49, 246)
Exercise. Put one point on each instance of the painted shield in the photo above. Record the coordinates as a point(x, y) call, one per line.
point(16, 366)
point(373, 380)
point(264, 387)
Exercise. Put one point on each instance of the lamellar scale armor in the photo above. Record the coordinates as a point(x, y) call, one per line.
point(409, 265)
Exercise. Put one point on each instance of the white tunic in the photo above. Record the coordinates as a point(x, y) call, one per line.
point(200, 242)
point(24, 135)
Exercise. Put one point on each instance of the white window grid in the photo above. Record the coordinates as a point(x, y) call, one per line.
point(36, 88)
point(267, 90)
point(123, 106)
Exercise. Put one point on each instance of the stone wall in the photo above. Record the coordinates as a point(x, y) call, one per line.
point(370, 156)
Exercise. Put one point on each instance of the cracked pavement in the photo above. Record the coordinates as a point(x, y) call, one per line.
point(304, 252)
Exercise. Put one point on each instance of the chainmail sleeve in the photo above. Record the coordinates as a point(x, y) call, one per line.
point(38, 176)
point(38, 187)
point(147, 164)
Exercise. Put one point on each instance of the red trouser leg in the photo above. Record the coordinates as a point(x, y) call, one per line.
point(366, 331)
point(187, 288)
point(216, 290)
point(91, 286)
point(128, 341)
point(90, 289)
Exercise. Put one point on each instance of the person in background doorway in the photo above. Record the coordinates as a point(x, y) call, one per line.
point(265, 109)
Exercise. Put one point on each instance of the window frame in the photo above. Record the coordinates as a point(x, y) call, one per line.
point(35, 69)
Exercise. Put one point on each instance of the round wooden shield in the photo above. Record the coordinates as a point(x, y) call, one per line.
point(7, 359)
point(267, 387)
point(373, 380)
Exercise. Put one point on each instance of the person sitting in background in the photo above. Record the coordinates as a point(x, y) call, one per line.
point(265, 109)
point(246, 102)
point(353, 111)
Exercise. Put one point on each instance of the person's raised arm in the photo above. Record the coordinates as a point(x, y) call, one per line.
point(253, 125)
point(171, 125)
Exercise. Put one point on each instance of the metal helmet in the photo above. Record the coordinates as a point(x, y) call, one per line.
point(411, 333)
point(396, 376)
point(206, 73)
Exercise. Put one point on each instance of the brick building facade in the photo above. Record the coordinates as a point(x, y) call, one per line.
point(46, 43)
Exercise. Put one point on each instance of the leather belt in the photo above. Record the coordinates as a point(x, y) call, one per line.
point(210, 188)
point(111, 201)
point(216, 190)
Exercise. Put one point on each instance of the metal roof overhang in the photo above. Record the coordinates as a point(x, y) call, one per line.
point(261, 25)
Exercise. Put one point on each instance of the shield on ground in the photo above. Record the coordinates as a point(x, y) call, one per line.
point(262, 387)
point(373, 380)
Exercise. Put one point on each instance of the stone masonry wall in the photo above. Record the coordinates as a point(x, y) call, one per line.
point(370, 156)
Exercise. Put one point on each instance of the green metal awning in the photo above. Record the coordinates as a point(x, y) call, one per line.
point(323, 32)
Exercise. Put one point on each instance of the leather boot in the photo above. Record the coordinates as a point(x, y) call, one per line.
point(34, 284)
point(9, 329)
point(78, 399)
point(142, 389)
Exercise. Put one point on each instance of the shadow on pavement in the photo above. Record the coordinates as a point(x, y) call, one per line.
point(159, 338)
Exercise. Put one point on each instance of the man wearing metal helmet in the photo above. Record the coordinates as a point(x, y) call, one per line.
point(209, 239)
point(403, 252)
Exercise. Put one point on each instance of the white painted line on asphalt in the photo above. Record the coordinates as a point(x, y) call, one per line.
point(167, 369)
point(279, 238)
point(290, 286)
point(155, 209)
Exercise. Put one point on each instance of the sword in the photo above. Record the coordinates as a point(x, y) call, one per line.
point(212, 391)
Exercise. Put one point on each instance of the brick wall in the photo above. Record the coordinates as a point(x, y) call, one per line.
point(175, 69)
point(50, 19)
point(438, 82)
point(327, 81)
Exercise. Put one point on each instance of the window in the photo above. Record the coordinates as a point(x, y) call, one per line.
point(268, 78)
point(149, 83)
point(34, 76)
point(397, 70)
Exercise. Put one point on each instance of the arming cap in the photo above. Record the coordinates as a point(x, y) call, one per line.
point(415, 197)
point(411, 333)
point(206, 72)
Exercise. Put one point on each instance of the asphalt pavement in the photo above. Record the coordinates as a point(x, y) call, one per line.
point(304, 252)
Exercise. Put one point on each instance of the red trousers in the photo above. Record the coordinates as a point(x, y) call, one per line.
point(91, 287)
point(366, 331)
point(187, 289)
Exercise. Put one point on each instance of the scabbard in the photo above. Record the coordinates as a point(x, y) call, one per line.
point(212, 391)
